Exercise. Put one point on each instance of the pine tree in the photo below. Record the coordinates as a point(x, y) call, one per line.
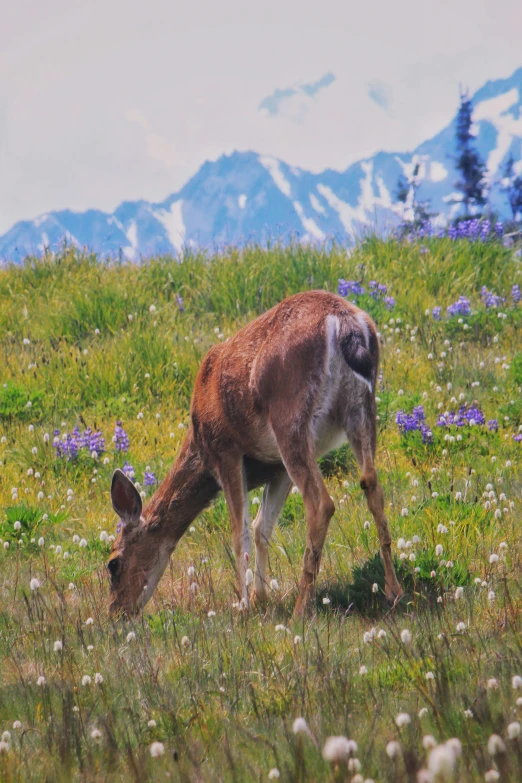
point(472, 169)
point(512, 186)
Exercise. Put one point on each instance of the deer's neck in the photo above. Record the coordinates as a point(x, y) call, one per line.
point(187, 489)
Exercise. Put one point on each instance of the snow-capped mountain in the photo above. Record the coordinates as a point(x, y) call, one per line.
point(250, 196)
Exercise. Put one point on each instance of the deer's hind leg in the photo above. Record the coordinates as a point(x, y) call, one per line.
point(296, 444)
point(361, 432)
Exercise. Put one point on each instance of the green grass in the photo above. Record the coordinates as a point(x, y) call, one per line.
point(86, 343)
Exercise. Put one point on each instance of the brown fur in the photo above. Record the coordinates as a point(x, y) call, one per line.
point(266, 404)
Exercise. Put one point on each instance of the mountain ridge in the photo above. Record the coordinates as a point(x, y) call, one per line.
point(247, 195)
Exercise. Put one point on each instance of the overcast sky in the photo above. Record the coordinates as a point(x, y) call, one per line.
point(106, 100)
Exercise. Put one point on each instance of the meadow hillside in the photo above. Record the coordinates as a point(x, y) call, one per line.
point(97, 366)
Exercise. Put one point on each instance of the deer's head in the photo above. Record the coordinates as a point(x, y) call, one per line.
point(139, 554)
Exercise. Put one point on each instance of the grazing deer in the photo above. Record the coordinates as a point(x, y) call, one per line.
point(290, 386)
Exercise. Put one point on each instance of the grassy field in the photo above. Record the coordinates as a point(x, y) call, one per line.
point(195, 689)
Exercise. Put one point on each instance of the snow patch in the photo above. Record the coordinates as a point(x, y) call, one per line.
point(172, 220)
point(242, 201)
point(113, 221)
point(507, 127)
point(492, 107)
point(132, 236)
point(37, 222)
point(438, 172)
point(309, 224)
point(316, 204)
point(273, 168)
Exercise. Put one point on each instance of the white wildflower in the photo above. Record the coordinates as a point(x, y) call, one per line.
point(157, 749)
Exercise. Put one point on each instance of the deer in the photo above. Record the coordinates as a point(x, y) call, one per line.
point(293, 384)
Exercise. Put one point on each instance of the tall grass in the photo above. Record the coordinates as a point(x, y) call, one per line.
point(89, 344)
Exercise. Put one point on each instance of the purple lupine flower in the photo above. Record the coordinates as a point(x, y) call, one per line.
point(120, 438)
point(389, 302)
point(149, 478)
point(436, 313)
point(517, 437)
point(181, 306)
point(470, 416)
point(452, 233)
point(411, 422)
point(461, 307)
point(499, 229)
point(493, 425)
point(423, 250)
point(70, 444)
point(515, 293)
point(350, 287)
point(490, 299)
point(128, 470)
point(484, 230)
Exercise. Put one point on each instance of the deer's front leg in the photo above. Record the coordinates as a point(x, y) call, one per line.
point(233, 481)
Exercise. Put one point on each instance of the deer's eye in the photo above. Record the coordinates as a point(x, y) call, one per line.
point(114, 566)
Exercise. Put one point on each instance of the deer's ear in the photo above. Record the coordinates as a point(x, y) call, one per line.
point(126, 500)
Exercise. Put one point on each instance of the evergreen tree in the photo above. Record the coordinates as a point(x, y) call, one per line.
point(468, 162)
point(512, 186)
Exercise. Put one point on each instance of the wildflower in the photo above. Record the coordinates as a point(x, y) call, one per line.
point(429, 742)
point(120, 438)
point(35, 583)
point(98, 678)
point(297, 639)
point(96, 734)
point(516, 682)
point(430, 676)
point(157, 749)
point(461, 627)
point(41, 680)
point(249, 576)
point(513, 730)
point(185, 641)
point(459, 592)
point(405, 636)
point(375, 587)
point(496, 745)
point(326, 600)
point(493, 558)
point(439, 549)
point(442, 761)
point(17, 724)
point(300, 726)
point(274, 584)
point(4, 747)
point(468, 713)
point(491, 776)
point(58, 646)
point(423, 712)
point(491, 595)
point(382, 634)
point(492, 684)
point(131, 636)
point(393, 749)
point(338, 749)
point(6, 736)
point(402, 719)
point(274, 774)
point(86, 680)
point(363, 670)
point(89, 621)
